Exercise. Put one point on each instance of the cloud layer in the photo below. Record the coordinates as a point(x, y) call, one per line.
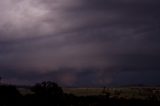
point(98, 40)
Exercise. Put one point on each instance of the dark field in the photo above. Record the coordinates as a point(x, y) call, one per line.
point(50, 94)
point(142, 93)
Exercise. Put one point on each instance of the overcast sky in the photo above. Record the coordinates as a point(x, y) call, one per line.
point(80, 42)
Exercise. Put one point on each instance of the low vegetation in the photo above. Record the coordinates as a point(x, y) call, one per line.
point(51, 94)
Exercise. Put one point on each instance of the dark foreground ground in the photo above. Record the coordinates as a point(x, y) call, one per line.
point(50, 94)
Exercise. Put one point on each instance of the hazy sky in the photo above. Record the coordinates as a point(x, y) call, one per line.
point(80, 42)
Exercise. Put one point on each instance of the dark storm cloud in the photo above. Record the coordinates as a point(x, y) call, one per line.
point(65, 77)
point(104, 36)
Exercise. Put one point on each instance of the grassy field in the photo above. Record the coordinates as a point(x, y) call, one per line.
point(127, 93)
point(124, 92)
point(84, 91)
point(49, 95)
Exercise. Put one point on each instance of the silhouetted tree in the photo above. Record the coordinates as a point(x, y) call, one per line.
point(9, 95)
point(47, 93)
point(47, 89)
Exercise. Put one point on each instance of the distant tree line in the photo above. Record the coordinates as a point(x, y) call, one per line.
point(51, 94)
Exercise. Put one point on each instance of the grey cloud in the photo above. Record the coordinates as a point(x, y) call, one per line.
point(84, 78)
point(114, 35)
